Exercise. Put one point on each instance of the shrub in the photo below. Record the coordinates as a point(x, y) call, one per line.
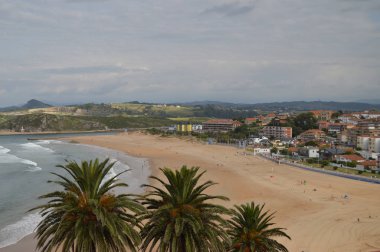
point(324, 163)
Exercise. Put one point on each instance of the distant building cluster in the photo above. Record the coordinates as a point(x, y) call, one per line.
point(344, 138)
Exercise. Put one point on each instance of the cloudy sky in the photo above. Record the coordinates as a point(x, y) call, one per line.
point(184, 50)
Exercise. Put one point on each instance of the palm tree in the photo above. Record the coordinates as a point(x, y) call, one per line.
point(180, 217)
point(250, 230)
point(86, 216)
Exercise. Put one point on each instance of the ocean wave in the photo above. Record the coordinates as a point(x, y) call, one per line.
point(29, 162)
point(4, 150)
point(13, 233)
point(48, 142)
point(34, 169)
point(118, 166)
point(6, 158)
point(33, 146)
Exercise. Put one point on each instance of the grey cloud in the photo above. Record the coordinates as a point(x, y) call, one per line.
point(229, 9)
point(154, 50)
point(93, 70)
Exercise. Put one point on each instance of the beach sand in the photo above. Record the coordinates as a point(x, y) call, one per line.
point(316, 215)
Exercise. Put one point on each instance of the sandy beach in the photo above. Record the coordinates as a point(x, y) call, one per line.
point(310, 205)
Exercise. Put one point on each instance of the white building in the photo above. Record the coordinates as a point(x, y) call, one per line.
point(310, 152)
point(197, 127)
point(348, 119)
point(256, 140)
point(362, 142)
point(374, 144)
point(261, 151)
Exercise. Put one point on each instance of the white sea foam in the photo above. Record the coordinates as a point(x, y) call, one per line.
point(4, 150)
point(34, 169)
point(48, 142)
point(16, 231)
point(6, 158)
point(29, 162)
point(33, 146)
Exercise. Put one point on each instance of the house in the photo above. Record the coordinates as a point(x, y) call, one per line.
point(197, 127)
point(283, 116)
point(336, 127)
point(312, 135)
point(329, 153)
point(348, 119)
point(323, 125)
point(349, 158)
point(220, 125)
point(323, 115)
point(276, 132)
point(293, 151)
point(251, 120)
point(367, 114)
point(261, 150)
point(256, 140)
point(310, 152)
point(278, 144)
point(367, 165)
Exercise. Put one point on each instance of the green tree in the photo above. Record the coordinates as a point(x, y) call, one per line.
point(250, 230)
point(86, 216)
point(311, 143)
point(302, 122)
point(274, 150)
point(180, 217)
point(284, 152)
point(336, 114)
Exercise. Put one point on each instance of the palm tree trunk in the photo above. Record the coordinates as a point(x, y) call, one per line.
point(183, 245)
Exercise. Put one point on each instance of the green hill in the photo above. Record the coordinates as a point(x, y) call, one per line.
point(40, 122)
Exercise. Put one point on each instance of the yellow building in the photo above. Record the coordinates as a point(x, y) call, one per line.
point(184, 127)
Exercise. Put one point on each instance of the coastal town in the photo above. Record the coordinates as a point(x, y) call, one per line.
point(340, 140)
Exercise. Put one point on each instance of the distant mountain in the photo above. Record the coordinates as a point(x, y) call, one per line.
point(31, 104)
point(204, 103)
point(316, 105)
point(370, 101)
point(292, 106)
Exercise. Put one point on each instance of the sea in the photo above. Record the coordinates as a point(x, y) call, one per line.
point(25, 169)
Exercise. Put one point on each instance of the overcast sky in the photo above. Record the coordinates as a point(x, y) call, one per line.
point(185, 50)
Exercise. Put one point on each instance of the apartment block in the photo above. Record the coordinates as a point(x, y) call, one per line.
point(374, 144)
point(362, 142)
point(277, 132)
point(312, 135)
point(220, 125)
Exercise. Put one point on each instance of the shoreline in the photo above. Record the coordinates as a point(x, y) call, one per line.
point(316, 215)
point(120, 158)
point(13, 133)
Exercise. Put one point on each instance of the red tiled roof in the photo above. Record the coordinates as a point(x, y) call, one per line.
point(223, 121)
point(369, 163)
point(352, 157)
point(293, 149)
point(313, 131)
